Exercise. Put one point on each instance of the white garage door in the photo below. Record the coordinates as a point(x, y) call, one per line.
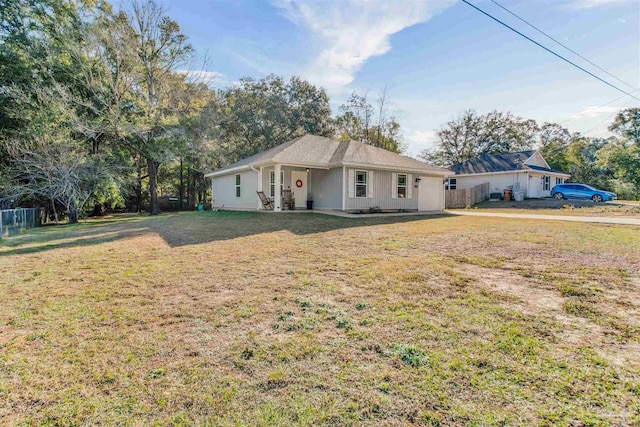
point(431, 194)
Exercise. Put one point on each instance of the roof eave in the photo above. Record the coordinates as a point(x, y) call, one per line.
point(512, 171)
point(399, 168)
point(226, 171)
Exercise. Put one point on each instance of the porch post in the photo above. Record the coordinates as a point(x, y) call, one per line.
point(259, 187)
point(277, 195)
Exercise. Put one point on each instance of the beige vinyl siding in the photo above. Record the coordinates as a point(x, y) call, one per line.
point(325, 186)
point(381, 191)
point(223, 189)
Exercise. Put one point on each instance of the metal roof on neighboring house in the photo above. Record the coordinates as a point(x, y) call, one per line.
point(320, 151)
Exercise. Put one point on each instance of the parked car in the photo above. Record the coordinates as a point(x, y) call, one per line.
point(581, 191)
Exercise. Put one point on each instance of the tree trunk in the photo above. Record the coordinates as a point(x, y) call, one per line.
point(152, 167)
point(55, 212)
point(181, 195)
point(190, 189)
point(139, 189)
point(73, 212)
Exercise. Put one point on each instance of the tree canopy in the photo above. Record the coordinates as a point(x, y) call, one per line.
point(610, 163)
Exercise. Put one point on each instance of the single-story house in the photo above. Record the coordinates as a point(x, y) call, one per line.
point(337, 175)
point(525, 171)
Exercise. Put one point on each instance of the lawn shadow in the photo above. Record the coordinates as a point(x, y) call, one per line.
point(187, 228)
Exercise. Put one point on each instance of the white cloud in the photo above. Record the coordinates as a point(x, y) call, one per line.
point(210, 78)
point(350, 32)
point(587, 4)
point(419, 140)
point(595, 111)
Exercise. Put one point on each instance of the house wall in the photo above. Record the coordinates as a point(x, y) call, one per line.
point(537, 160)
point(382, 193)
point(325, 186)
point(497, 182)
point(224, 190)
point(536, 186)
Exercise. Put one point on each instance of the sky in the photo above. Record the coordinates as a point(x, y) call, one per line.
point(436, 58)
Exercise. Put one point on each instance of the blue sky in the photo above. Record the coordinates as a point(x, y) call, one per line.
point(436, 57)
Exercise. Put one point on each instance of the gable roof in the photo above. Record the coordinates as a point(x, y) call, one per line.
point(313, 150)
point(506, 162)
point(493, 163)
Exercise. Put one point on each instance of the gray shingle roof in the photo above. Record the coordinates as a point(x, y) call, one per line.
point(493, 163)
point(320, 151)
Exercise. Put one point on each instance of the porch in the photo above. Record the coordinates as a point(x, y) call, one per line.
point(322, 186)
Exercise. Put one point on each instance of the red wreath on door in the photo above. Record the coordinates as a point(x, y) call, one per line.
point(299, 183)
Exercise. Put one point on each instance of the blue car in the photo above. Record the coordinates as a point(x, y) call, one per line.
point(581, 191)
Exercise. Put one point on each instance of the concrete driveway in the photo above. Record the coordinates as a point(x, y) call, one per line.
point(597, 219)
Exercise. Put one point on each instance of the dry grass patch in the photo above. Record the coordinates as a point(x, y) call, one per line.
point(563, 207)
point(226, 318)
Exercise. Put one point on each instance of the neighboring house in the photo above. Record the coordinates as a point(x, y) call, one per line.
point(527, 171)
point(347, 176)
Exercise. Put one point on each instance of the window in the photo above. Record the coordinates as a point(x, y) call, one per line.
point(451, 184)
point(272, 183)
point(559, 181)
point(402, 186)
point(238, 185)
point(546, 181)
point(361, 183)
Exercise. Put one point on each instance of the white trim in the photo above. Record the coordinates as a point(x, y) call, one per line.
point(409, 189)
point(398, 168)
point(344, 187)
point(537, 153)
point(394, 185)
point(227, 171)
point(298, 165)
point(351, 183)
point(370, 184)
point(278, 199)
point(237, 186)
point(273, 172)
point(543, 173)
point(259, 186)
point(327, 166)
point(212, 195)
point(356, 183)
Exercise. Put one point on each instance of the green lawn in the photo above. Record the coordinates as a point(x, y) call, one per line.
point(227, 318)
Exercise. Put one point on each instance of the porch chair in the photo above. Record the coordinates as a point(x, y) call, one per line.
point(287, 200)
point(267, 203)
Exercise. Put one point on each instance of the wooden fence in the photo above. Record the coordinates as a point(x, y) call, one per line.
point(466, 197)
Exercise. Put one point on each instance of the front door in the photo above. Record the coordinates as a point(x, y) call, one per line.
point(299, 188)
point(430, 194)
point(535, 186)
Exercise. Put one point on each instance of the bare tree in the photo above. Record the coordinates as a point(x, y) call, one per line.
point(359, 121)
point(55, 169)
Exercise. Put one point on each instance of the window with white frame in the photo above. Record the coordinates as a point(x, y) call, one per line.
point(546, 182)
point(559, 181)
point(402, 186)
point(238, 185)
point(272, 183)
point(361, 183)
point(451, 184)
